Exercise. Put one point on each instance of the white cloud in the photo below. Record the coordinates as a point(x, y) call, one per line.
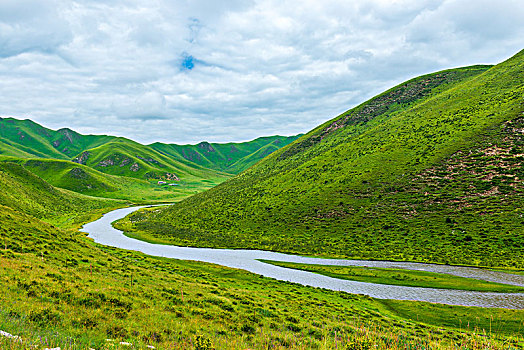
point(185, 71)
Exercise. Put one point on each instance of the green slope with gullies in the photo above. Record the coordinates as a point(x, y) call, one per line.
point(27, 139)
point(131, 159)
point(85, 180)
point(116, 167)
point(430, 170)
point(228, 157)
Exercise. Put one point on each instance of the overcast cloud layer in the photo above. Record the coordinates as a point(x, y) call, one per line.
point(187, 71)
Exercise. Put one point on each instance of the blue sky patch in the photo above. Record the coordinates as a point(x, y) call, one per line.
point(188, 62)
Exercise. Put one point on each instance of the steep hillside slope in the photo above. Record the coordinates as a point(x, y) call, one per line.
point(27, 139)
point(27, 193)
point(229, 157)
point(430, 170)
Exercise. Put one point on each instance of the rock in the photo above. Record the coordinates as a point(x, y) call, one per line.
point(134, 167)
point(206, 146)
point(82, 158)
point(106, 162)
point(171, 176)
point(9, 335)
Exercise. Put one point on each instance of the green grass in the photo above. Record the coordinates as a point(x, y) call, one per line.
point(25, 192)
point(401, 277)
point(62, 290)
point(85, 180)
point(428, 171)
point(59, 289)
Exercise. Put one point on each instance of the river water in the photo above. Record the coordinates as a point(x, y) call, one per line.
point(102, 232)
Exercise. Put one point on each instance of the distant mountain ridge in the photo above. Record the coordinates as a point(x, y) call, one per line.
point(27, 139)
point(116, 167)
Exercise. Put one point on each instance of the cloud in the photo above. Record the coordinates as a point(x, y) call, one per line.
point(31, 25)
point(186, 71)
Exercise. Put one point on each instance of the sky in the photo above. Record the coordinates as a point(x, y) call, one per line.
point(185, 71)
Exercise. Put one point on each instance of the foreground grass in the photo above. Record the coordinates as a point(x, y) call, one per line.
point(401, 277)
point(60, 289)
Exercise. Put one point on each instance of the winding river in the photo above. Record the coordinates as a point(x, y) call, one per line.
point(102, 232)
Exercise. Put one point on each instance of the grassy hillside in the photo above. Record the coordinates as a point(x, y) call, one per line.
point(27, 139)
point(430, 170)
point(85, 180)
point(228, 157)
point(131, 159)
point(27, 193)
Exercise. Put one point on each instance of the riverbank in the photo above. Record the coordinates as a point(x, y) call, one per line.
point(80, 293)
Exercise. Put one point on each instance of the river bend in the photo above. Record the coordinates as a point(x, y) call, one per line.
point(102, 232)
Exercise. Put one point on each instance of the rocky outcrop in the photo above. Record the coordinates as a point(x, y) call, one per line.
point(82, 158)
point(206, 146)
point(68, 134)
point(149, 160)
point(171, 176)
point(106, 162)
point(135, 167)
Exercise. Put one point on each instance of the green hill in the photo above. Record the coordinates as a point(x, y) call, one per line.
point(27, 139)
point(85, 180)
point(23, 191)
point(430, 170)
point(228, 157)
point(131, 159)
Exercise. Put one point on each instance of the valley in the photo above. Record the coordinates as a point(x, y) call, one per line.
point(423, 183)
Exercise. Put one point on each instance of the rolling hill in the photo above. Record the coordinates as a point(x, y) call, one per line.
point(430, 170)
point(85, 180)
point(228, 157)
point(131, 159)
point(116, 167)
point(27, 139)
point(24, 192)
